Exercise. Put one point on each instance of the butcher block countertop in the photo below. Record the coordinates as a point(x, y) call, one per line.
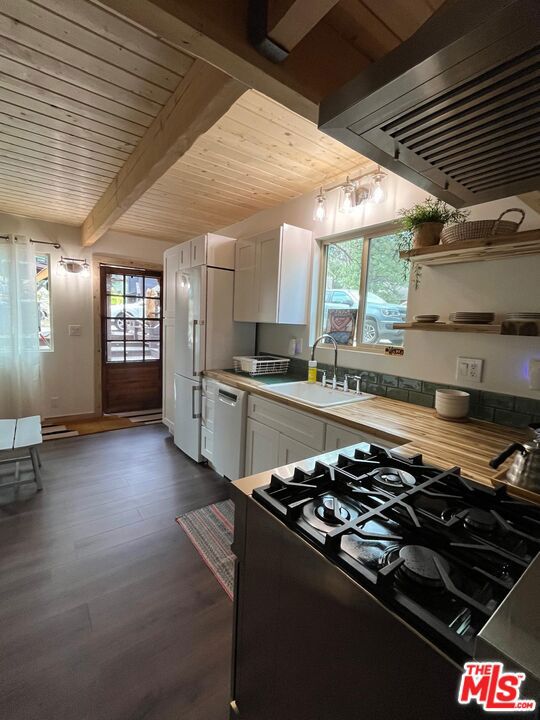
point(415, 429)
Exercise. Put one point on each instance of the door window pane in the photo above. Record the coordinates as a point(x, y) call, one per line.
point(152, 307)
point(152, 330)
point(152, 351)
point(134, 351)
point(341, 297)
point(386, 293)
point(115, 329)
point(151, 287)
point(115, 352)
point(134, 285)
point(115, 284)
point(115, 306)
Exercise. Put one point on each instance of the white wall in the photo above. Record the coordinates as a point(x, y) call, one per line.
point(497, 285)
point(68, 371)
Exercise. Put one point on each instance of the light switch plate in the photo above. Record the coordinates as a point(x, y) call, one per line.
point(469, 369)
point(74, 329)
point(534, 374)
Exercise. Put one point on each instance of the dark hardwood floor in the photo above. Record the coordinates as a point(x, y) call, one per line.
point(106, 610)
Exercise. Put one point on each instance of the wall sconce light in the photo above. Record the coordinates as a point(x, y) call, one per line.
point(347, 197)
point(377, 192)
point(73, 266)
point(320, 207)
point(352, 194)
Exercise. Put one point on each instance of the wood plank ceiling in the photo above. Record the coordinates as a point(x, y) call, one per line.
point(79, 86)
point(258, 155)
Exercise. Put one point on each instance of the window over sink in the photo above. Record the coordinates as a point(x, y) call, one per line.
point(364, 289)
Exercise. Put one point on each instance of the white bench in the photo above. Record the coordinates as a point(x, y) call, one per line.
point(18, 436)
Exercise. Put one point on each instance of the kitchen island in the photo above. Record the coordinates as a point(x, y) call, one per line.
point(312, 640)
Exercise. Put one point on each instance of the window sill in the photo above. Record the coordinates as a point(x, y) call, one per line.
point(371, 349)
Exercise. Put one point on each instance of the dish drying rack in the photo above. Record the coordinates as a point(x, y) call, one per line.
point(261, 365)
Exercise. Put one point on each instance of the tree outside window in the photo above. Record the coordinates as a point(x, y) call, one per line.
point(365, 290)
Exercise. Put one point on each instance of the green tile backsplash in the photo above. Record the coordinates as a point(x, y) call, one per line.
point(494, 407)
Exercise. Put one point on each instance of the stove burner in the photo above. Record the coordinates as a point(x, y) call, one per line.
point(332, 511)
point(393, 477)
point(480, 520)
point(419, 565)
point(328, 511)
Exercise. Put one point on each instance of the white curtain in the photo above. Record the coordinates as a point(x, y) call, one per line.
point(20, 392)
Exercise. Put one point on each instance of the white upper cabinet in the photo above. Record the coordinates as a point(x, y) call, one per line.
point(171, 263)
point(198, 251)
point(214, 250)
point(210, 249)
point(185, 255)
point(272, 278)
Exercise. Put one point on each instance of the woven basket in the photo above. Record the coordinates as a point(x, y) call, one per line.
point(477, 229)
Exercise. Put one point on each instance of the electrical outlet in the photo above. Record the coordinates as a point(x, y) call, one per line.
point(469, 369)
point(54, 401)
point(74, 329)
point(534, 374)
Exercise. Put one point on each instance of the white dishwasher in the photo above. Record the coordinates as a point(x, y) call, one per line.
point(229, 431)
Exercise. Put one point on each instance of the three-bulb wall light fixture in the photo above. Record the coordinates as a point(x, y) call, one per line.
point(73, 266)
point(368, 188)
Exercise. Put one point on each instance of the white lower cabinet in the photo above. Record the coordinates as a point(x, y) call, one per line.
point(262, 447)
point(338, 437)
point(277, 435)
point(207, 443)
point(208, 406)
point(291, 451)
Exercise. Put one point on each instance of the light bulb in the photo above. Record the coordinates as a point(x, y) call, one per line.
point(320, 207)
point(347, 197)
point(377, 194)
point(85, 272)
point(62, 270)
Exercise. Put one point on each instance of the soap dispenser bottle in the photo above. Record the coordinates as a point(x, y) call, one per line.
point(312, 371)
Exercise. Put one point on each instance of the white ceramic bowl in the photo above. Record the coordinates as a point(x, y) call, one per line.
point(452, 403)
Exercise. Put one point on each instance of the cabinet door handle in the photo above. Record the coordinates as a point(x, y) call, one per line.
point(194, 331)
point(194, 415)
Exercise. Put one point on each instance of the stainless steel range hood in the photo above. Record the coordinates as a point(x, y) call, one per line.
point(455, 109)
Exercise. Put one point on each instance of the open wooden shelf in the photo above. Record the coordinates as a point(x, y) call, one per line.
point(528, 329)
point(493, 328)
point(488, 248)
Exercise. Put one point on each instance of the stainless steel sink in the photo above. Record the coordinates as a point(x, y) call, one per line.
point(316, 395)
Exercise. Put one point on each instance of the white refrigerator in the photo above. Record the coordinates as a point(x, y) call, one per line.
point(206, 338)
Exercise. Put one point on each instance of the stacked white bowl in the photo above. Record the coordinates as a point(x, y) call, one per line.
point(453, 404)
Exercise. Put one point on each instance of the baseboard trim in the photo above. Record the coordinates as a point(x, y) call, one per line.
point(169, 425)
point(60, 419)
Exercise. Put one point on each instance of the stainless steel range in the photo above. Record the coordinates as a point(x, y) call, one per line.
point(440, 551)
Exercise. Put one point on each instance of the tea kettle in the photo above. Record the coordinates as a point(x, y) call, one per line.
point(525, 470)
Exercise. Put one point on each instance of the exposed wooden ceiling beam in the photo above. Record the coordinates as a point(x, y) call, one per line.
point(216, 31)
point(201, 98)
point(289, 21)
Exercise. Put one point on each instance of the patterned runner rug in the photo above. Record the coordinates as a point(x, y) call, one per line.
point(210, 529)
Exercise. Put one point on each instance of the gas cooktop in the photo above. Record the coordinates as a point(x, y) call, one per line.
point(440, 550)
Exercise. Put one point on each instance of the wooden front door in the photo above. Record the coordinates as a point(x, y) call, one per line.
point(130, 339)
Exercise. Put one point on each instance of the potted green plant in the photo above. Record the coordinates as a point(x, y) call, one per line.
point(423, 223)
